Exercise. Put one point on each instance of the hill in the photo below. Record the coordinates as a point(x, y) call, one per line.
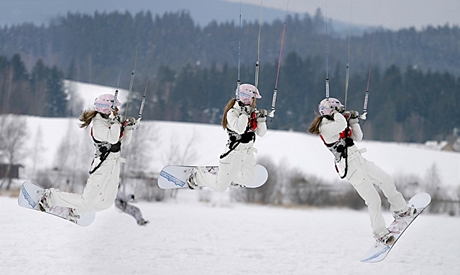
point(204, 11)
point(200, 144)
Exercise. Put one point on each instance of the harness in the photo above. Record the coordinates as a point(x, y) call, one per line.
point(103, 149)
point(340, 148)
point(234, 139)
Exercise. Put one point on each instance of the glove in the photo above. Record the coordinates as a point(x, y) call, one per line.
point(272, 113)
point(261, 113)
point(129, 121)
point(350, 114)
point(131, 124)
point(354, 114)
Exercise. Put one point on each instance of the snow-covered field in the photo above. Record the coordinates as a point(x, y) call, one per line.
point(201, 144)
point(186, 236)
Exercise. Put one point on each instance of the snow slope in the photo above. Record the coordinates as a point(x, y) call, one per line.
point(187, 237)
point(294, 150)
point(201, 144)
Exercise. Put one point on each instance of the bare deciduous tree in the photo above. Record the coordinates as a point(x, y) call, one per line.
point(139, 154)
point(13, 136)
point(72, 160)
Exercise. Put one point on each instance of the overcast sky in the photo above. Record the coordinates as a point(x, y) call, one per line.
point(391, 14)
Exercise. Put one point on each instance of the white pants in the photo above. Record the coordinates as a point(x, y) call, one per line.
point(100, 190)
point(363, 174)
point(239, 166)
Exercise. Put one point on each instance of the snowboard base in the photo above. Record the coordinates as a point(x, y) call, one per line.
point(175, 176)
point(379, 251)
point(29, 196)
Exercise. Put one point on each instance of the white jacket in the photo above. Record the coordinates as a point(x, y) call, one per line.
point(330, 131)
point(104, 131)
point(238, 121)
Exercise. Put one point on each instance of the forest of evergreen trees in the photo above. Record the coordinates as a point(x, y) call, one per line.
point(39, 92)
point(414, 82)
point(404, 105)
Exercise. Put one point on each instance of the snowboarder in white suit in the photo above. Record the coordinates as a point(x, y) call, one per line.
point(339, 129)
point(237, 165)
point(109, 131)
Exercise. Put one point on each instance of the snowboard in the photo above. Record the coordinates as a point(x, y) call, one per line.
point(379, 251)
point(30, 194)
point(175, 176)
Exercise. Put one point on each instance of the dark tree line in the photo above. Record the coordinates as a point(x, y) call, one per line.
point(413, 88)
point(406, 105)
point(94, 48)
point(39, 92)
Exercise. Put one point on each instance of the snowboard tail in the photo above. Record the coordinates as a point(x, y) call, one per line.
point(378, 252)
point(33, 203)
point(29, 196)
point(175, 176)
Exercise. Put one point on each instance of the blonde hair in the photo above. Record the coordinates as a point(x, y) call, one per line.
point(314, 127)
point(227, 108)
point(86, 117)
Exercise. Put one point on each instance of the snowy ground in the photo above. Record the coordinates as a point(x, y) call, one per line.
point(188, 237)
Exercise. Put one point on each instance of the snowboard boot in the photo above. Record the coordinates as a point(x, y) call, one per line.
point(142, 222)
point(402, 219)
point(72, 216)
point(408, 212)
point(43, 203)
point(385, 238)
point(191, 180)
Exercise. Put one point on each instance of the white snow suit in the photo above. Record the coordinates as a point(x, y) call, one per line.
point(102, 185)
point(362, 173)
point(239, 165)
point(122, 203)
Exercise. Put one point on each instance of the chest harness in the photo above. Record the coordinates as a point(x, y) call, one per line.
point(340, 148)
point(103, 149)
point(234, 139)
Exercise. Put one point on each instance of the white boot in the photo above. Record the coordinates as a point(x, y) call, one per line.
point(408, 212)
point(191, 180)
point(73, 216)
point(43, 203)
point(385, 238)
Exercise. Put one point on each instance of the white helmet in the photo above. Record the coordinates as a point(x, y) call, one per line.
point(247, 92)
point(104, 103)
point(328, 105)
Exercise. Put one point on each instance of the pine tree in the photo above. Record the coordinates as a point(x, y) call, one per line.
point(56, 105)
